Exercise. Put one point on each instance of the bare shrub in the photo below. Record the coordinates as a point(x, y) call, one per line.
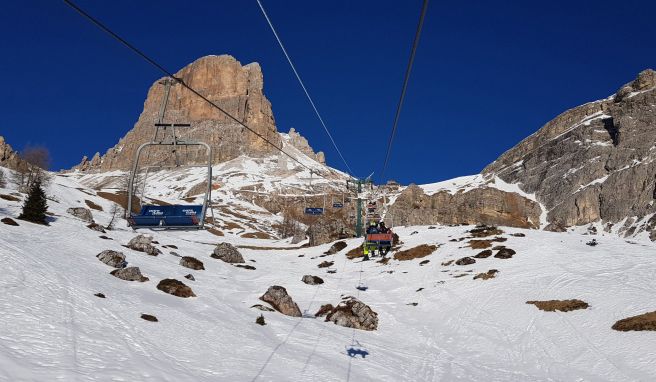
point(115, 212)
point(36, 161)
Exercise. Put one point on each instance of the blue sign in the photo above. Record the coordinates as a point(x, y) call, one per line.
point(314, 211)
point(338, 205)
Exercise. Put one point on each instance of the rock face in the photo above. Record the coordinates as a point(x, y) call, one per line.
point(484, 205)
point(353, 313)
point(81, 213)
point(278, 298)
point(222, 79)
point(596, 162)
point(8, 157)
point(129, 274)
point(112, 258)
point(327, 229)
point(142, 243)
point(228, 253)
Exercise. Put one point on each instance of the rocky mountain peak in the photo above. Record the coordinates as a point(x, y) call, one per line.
point(236, 88)
point(8, 157)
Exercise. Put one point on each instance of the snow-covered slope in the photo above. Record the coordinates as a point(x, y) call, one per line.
point(54, 328)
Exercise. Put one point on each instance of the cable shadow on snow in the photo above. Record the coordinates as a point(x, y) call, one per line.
point(275, 350)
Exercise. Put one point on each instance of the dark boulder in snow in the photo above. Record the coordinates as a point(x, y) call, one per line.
point(190, 277)
point(175, 287)
point(484, 254)
point(465, 261)
point(149, 317)
point(112, 258)
point(228, 253)
point(338, 246)
point(143, 243)
point(353, 313)
point(312, 280)
point(96, 227)
point(100, 295)
point(129, 274)
point(192, 263)
point(326, 264)
point(9, 221)
point(81, 213)
point(278, 298)
point(505, 253)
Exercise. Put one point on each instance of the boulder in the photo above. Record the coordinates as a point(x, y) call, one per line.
point(175, 288)
point(484, 254)
point(190, 277)
point(81, 213)
point(112, 258)
point(149, 317)
point(9, 221)
point(278, 298)
point(129, 274)
point(353, 313)
point(192, 263)
point(338, 246)
point(228, 253)
point(143, 243)
point(326, 264)
point(96, 227)
point(505, 253)
point(465, 261)
point(312, 280)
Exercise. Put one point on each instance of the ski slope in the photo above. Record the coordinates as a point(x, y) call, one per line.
point(54, 328)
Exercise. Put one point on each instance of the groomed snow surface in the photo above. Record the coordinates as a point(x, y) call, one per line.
point(54, 328)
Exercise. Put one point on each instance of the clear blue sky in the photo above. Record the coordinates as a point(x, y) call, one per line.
point(487, 74)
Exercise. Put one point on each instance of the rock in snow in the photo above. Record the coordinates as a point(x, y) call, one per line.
point(81, 213)
point(143, 243)
point(129, 274)
point(112, 258)
point(278, 298)
point(228, 253)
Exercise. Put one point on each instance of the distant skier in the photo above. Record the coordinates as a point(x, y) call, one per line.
point(382, 228)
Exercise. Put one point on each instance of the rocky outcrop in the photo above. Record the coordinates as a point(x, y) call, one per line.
point(238, 89)
point(302, 145)
point(596, 162)
point(8, 157)
point(278, 298)
point(327, 229)
point(81, 213)
point(228, 253)
point(175, 288)
point(112, 258)
point(484, 205)
point(143, 243)
point(353, 313)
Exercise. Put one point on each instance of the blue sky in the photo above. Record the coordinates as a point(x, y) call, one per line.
point(487, 74)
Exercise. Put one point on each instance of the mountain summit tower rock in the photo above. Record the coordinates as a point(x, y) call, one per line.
point(237, 89)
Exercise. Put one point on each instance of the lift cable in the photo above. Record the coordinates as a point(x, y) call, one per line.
point(307, 94)
point(415, 43)
point(179, 80)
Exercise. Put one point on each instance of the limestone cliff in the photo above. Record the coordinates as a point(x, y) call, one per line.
point(237, 89)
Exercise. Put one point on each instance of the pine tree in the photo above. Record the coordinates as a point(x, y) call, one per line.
point(35, 206)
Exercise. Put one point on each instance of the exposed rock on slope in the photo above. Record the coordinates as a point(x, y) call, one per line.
point(481, 205)
point(223, 80)
point(278, 298)
point(594, 162)
point(8, 157)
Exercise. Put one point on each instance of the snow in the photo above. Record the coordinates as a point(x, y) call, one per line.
point(460, 184)
point(53, 328)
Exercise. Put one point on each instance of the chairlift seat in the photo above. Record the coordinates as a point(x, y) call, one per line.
point(167, 216)
point(380, 239)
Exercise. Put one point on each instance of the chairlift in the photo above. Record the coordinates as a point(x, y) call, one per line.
point(178, 216)
point(355, 349)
